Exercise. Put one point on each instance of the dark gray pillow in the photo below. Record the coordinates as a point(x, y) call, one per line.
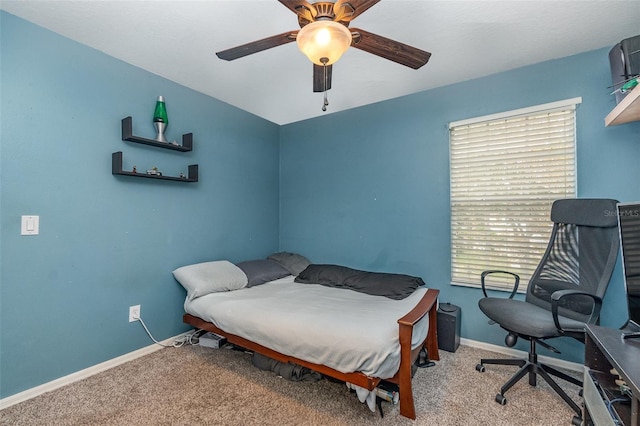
point(292, 262)
point(393, 286)
point(261, 271)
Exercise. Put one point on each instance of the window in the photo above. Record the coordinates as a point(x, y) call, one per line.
point(506, 171)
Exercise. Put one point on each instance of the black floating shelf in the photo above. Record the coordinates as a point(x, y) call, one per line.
point(127, 135)
point(116, 169)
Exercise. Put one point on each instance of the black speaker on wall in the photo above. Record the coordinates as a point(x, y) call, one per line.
point(624, 59)
point(448, 327)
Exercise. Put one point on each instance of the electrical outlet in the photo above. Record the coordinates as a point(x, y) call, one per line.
point(134, 313)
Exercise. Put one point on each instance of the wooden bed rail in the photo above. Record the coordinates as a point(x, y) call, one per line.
point(427, 305)
point(355, 378)
point(402, 378)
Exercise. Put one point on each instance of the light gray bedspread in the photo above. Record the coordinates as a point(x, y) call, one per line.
point(339, 328)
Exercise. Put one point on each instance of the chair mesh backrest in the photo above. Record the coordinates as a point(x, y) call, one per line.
point(581, 254)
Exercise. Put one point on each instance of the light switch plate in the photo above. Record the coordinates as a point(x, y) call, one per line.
point(30, 225)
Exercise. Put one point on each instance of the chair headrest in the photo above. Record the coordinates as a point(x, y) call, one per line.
point(599, 212)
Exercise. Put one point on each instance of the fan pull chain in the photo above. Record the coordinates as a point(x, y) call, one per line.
point(324, 67)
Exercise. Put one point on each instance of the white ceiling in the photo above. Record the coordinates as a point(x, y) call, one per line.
point(178, 40)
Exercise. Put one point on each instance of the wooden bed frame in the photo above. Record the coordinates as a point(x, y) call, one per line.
point(427, 305)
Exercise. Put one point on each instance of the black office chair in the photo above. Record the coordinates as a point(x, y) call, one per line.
point(565, 291)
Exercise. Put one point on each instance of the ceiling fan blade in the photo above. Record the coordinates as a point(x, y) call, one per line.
point(319, 77)
point(257, 46)
point(395, 51)
point(301, 8)
point(348, 10)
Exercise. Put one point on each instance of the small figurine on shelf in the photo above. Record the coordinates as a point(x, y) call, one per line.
point(160, 119)
point(154, 171)
point(182, 176)
point(135, 170)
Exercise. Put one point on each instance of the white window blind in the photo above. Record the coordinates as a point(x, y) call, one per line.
point(506, 171)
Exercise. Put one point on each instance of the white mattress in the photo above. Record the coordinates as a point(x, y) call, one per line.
point(339, 328)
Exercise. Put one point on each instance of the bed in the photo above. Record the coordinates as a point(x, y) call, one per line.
point(355, 326)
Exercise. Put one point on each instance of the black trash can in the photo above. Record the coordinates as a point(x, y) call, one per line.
point(448, 327)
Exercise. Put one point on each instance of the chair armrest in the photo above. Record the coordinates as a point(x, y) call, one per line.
point(560, 294)
point(497, 271)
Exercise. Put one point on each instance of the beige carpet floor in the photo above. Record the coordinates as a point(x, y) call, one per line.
point(193, 385)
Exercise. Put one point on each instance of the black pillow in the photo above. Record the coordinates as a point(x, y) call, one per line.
point(261, 271)
point(393, 286)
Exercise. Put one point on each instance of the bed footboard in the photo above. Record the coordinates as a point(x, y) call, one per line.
point(402, 378)
point(427, 305)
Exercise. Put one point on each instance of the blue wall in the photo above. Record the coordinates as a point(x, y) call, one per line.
point(369, 187)
point(107, 242)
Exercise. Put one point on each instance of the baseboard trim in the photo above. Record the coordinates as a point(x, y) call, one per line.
point(554, 362)
point(83, 374)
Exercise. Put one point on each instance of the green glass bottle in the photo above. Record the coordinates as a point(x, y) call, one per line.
point(160, 119)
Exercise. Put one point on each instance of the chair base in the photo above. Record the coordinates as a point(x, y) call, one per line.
point(533, 368)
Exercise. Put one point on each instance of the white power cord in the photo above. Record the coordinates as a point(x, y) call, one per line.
point(188, 339)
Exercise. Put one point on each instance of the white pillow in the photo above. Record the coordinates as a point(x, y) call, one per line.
point(210, 277)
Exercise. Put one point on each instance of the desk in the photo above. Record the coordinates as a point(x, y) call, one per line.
point(605, 349)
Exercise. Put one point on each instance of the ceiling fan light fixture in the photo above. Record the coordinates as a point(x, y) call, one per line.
point(324, 42)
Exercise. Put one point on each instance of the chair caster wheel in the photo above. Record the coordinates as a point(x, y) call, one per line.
point(480, 368)
point(576, 421)
point(500, 399)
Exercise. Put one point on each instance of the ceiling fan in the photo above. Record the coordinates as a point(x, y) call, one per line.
point(324, 36)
